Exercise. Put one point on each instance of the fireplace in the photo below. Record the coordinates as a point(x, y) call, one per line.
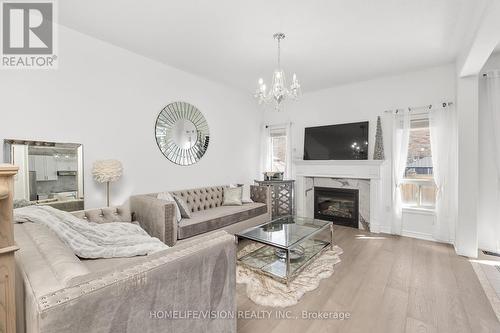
point(339, 205)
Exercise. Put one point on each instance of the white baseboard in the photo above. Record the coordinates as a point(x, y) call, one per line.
point(385, 229)
point(424, 236)
point(465, 254)
point(418, 235)
point(407, 233)
point(376, 228)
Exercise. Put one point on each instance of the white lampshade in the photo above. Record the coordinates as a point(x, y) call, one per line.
point(107, 171)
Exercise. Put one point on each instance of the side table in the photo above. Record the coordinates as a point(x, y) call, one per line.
point(282, 196)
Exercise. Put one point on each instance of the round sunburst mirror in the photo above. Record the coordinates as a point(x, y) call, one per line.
point(182, 133)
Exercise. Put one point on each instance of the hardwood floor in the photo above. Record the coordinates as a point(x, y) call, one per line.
point(387, 284)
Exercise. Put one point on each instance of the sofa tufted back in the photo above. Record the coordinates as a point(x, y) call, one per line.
point(202, 198)
point(105, 215)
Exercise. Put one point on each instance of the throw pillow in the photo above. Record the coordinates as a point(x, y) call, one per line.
point(246, 198)
point(168, 197)
point(185, 211)
point(232, 196)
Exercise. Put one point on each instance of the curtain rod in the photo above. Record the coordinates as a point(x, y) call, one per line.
point(428, 107)
point(280, 124)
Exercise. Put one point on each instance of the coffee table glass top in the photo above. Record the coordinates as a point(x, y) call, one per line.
point(285, 232)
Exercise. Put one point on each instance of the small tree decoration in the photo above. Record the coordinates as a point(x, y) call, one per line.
point(378, 153)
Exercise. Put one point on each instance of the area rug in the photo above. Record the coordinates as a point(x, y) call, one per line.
point(265, 291)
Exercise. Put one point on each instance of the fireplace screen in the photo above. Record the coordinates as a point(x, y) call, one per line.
point(338, 205)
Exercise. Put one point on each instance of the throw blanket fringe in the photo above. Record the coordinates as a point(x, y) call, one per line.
point(92, 240)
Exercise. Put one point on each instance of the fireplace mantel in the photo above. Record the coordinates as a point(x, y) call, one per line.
point(339, 162)
point(362, 169)
point(354, 169)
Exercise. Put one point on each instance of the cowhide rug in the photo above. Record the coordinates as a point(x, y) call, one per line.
point(265, 291)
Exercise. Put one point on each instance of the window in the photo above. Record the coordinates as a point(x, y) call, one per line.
point(278, 147)
point(418, 189)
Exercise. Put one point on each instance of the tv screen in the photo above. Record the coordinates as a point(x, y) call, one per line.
point(337, 142)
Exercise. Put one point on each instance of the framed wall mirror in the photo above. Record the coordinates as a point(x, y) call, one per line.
point(50, 173)
point(182, 133)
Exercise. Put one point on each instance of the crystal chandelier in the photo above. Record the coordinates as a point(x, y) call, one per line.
point(278, 92)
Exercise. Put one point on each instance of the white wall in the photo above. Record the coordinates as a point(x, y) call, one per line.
point(363, 101)
point(418, 224)
point(476, 47)
point(108, 99)
point(468, 172)
point(488, 210)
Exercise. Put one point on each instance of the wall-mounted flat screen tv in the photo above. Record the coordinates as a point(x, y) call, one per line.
point(337, 142)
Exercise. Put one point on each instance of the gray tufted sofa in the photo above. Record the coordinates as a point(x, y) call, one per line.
point(57, 292)
point(207, 213)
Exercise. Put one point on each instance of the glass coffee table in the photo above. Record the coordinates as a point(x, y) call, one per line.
point(289, 244)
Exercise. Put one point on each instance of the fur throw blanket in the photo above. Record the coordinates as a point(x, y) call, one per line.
point(89, 239)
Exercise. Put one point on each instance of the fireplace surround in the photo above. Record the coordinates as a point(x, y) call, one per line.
point(339, 205)
point(365, 175)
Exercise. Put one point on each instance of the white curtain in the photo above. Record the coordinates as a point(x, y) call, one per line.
point(493, 100)
point(289, 162)
point(268, 131)
point(442, 122)
point(400, 141)
point(265, 148)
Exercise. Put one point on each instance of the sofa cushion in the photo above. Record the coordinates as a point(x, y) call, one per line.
point(168, 197)
point(101, 267)
point(232, 196)
point(105, 215)
point(246, 196)
point(48, 261)
point(219, 217)
point(199, 199)
point(183, 207)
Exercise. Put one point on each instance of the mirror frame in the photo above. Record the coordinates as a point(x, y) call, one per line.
point(9, 151)
point(164, 133)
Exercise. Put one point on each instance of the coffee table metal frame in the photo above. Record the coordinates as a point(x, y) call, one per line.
point(289, 276)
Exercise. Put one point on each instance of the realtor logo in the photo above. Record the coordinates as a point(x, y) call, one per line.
point(28, 35)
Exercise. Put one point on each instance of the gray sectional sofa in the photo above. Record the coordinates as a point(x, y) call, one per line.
point(207, 213)
point(57, 292)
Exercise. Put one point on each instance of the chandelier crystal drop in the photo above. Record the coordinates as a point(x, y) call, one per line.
point(279, 91)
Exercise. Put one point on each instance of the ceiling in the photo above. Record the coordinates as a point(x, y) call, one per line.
point(328, 41)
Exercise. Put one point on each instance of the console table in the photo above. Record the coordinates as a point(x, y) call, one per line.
point(282, 196)
point(7, 249)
